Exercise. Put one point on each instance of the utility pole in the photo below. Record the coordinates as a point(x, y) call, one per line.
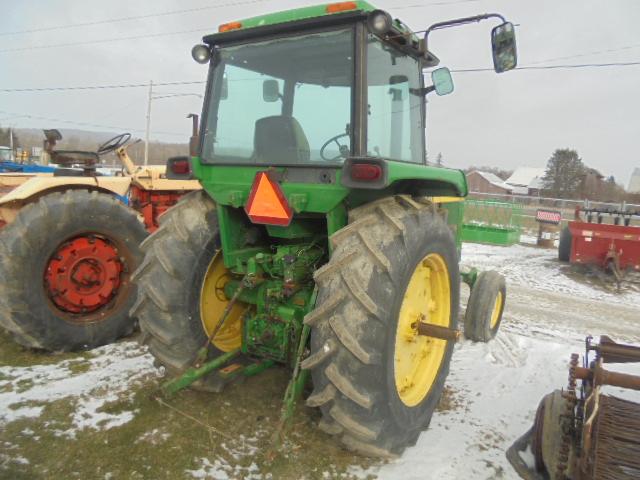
point(146, 138)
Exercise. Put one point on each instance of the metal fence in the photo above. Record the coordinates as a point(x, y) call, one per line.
point(529, 205)
point(493, 213)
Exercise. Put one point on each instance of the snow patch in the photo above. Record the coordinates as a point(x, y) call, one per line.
point(499, 385)
point(221, 470)
point(539, 269)
point(154, 437)
point(113, 371)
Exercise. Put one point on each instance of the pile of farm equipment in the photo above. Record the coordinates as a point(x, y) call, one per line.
point(583, 432)
point(613, 246)
point(69, 241)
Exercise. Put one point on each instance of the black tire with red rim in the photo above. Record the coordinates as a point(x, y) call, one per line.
point(65, 267)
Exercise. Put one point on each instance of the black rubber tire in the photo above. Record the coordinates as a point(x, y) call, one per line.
point(477, 318)
point(169, 281)
point(26, 245)
point(360, 292)
point(564, 245)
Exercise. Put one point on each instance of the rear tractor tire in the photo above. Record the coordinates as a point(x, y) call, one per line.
point(376, 381)
point(485, 307)
point(179, 289)
point(65, 267)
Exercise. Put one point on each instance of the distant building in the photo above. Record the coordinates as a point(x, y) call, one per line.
point(485, 182)
point(634, 183)
point(526, 180)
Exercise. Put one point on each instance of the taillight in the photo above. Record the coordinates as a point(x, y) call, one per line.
point(225, 27)
point(365, 172)
point(180, 167)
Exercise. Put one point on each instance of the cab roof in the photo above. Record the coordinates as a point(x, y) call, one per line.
point(303, 13)
point(326, 13)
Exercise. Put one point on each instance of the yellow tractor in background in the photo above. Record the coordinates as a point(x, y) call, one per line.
point(69, 241)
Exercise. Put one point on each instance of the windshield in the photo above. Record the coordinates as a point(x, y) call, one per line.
point(283, 101)
point(396, 105)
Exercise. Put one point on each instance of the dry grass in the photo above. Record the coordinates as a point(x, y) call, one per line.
point(231, 432)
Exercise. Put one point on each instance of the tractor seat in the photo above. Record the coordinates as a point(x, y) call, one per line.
point(280, 140)
point(68, 158)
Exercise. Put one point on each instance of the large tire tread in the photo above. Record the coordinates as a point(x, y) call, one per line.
point(349, 325)
point(23, 309)
point(162, 279)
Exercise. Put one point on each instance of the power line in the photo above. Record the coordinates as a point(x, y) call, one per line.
point(130, 18)
point(552, 67)
point(433, 4)
point(104, 40)
point(586, 54)
point(202, 82)
point(86, 124)
point(173, 95)
point(99, 87)
point(192, 10)
point(180, 32)
point(120, 109)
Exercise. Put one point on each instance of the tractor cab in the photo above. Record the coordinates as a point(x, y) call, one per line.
point(334, 82)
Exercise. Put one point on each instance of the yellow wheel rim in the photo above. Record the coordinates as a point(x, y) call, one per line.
point(497, 307)
point(418, 358)
point(212, 305)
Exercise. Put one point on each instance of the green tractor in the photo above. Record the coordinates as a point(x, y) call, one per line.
point(322, 240)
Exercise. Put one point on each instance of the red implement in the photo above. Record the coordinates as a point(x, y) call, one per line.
point(599, 244)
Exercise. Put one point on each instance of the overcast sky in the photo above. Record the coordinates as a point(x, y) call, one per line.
point(513, 119)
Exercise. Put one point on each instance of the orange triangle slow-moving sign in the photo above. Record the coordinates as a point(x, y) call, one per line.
point(267, 204)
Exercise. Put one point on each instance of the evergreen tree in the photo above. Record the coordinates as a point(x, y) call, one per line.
point(564, 174)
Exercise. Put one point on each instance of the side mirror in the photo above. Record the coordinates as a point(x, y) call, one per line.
point(442, 81)
point(503, 46)
point(270, 91)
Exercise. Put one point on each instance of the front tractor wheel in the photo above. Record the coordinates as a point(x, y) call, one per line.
point(376, 379)
point(65, 265)
point(485, 307)
point(180, 296)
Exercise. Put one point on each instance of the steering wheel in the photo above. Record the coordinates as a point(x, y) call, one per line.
point(343, 149)
point(114, 143)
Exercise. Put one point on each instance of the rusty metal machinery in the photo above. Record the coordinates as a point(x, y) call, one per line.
point(613, 245)
point(583, 433)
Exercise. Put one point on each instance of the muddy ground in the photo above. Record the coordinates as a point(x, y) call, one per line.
point(96, 415)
